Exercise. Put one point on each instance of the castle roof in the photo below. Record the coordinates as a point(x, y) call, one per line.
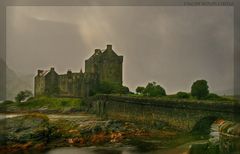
point(108, 52)
point(96, 54)
point(44, 72)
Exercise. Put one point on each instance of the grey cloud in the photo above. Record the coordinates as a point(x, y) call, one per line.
point(171, 45)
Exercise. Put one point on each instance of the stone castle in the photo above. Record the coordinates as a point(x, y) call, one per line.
point(103, 65)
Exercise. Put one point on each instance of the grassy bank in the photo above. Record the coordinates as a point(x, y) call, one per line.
point(173, 97)
point(44, 104)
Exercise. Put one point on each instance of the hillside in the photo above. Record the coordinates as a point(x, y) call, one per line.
point(16, 83)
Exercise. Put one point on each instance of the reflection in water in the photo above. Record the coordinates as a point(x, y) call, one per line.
point(93, 150)
point(116, 150)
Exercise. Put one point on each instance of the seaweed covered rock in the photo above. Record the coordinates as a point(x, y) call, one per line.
point(24, 131)
point(229, 137)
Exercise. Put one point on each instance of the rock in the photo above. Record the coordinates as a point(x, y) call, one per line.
point(229, 137)
point(25, 129)
point(39, 146)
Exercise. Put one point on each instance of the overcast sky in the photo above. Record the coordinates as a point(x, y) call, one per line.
point(173, 46)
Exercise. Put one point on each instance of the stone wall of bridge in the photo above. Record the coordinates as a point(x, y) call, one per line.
point(183, 115)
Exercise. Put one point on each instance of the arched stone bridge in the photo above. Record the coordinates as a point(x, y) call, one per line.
point(183, 114)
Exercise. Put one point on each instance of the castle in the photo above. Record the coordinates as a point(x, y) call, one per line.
point(103, 65)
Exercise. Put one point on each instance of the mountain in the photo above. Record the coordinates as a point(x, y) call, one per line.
point(17, 83)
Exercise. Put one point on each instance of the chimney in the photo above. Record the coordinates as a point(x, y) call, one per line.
point(97, 51)
point(109, 47)
point(40, 72)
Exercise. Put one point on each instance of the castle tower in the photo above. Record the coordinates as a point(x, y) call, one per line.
point(111, 66)
point(107, 64)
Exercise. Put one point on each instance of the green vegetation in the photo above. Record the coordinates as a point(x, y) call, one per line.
point(111, 88)
point(44, 104)
point(213, 96)
point(183, 95)
point(199, 89)
point(23, 96)
point(151, 90)
point(140, 90)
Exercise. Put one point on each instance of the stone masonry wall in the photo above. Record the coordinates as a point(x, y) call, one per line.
point(181, 114)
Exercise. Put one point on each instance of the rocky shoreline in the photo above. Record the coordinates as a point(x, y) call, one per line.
point(36, 132)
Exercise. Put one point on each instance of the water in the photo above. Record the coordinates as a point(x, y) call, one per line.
point(3, 116)
point(114, 150)
point(81, 117)
point(93, 150)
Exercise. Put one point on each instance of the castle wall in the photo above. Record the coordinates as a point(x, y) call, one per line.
point(51, 83)
point(111, 70)
point(63, 85)
point(39, 85)
point(69, 85)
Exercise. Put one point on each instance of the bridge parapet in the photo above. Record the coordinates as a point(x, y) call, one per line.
point(220, 106)
point(183, 114)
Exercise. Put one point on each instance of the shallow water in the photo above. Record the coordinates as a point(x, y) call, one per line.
point(92, 150)
point(3, 116)
point(116, 150)
point(55, 116)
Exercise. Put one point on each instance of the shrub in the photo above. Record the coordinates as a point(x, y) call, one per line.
point(124, 90)
point(23, 95)
point(111, 88)
point(199, 89)
point(7, 102)
point(153, 90)
point(213, 96)
point(182, 95)
point(140, 90)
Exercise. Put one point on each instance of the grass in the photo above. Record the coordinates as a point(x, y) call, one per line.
point(45, 103)
point(191, 98)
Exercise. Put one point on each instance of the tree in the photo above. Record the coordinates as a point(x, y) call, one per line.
point(23, 95)
point(140, 90)
point(199, 89)
point(153, 90)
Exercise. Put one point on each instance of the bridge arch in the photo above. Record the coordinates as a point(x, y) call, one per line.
point(203, 125)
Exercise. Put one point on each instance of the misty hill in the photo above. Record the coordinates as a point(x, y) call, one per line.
point(16, 83)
